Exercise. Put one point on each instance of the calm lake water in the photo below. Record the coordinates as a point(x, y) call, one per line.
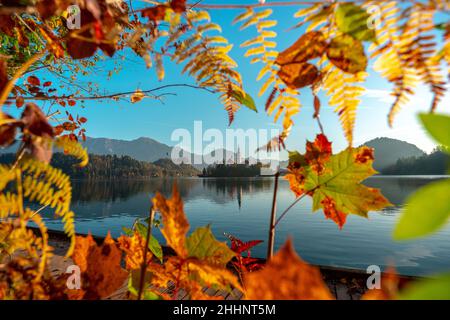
point(241, 206)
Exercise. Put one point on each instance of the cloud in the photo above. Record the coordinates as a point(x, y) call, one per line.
point(380, 95)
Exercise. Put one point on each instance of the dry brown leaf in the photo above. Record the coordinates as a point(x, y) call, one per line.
point(3, 74)
point(178, 6)
point(20, 101)
point(311, 45)
point(299, 75)
point(155, 13)
point(35, 122)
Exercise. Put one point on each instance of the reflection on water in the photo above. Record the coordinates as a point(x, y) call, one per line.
point(241, 206)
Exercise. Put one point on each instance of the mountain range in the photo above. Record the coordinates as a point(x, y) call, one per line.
point(387, 151)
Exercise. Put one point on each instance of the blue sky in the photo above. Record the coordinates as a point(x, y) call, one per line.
point(150, 118)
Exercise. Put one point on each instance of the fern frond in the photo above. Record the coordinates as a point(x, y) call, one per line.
point(446, 49)
point(44, 247)
point(391, 50)
point(10, 204)
point(49, 187)
point(345, 93)
point(244, 15)
point(73, 148)
point(316, 16)
point(421, 51)
point(282, 101)
point(6, 175)
point(206, 58)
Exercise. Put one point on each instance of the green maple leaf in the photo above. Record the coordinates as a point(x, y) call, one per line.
point(338, 189)
point(203, 245)
point(354, 20)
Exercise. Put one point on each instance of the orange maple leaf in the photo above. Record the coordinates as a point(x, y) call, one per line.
point(134, 248)
point(318, 152)
point(100, 267)
point(286, 277)
point(174, 220)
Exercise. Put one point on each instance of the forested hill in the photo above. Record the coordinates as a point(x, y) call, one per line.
point(435, 163)
point(388, 151)
point(116, 167)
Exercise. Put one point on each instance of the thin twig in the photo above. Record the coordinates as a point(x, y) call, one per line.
point(114, 95)
point(289, 208)
point(320, 125)
point(144, 262)
point(19, 156)
point(254, 5)
point(38, 210)
point(29, 28)
point(272, 218)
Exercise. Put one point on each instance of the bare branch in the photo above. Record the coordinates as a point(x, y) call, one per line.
point(113, 95)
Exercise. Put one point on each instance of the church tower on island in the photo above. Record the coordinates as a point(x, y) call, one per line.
point(237, 157)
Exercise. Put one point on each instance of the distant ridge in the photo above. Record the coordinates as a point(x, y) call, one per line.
point(142, 149)
point(388, 151)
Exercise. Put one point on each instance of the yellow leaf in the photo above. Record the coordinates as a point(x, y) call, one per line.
point(243, 16)
point(137, 96)
point(212, 275)
point(254, 51)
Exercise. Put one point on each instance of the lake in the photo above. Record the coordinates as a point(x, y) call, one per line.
point(241, 207)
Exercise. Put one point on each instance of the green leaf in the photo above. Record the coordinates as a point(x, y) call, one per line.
point(347, 53)
point(150, 295)
point(437, 288)
point(441, 26)
point(203, 245)
point(245, 99)
point(426, 211)
point(438, 126)
point(153, 244)
point(127, 231)
point(134, 282)
point(339, 191)
point(353, 20)
point(295, 156)
point(155, 248)
point(141, 229)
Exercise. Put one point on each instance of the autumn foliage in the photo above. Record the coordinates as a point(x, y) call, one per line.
point(336, 43)
point(334, 181)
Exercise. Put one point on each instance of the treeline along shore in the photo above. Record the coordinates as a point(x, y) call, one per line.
point(115, 167)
